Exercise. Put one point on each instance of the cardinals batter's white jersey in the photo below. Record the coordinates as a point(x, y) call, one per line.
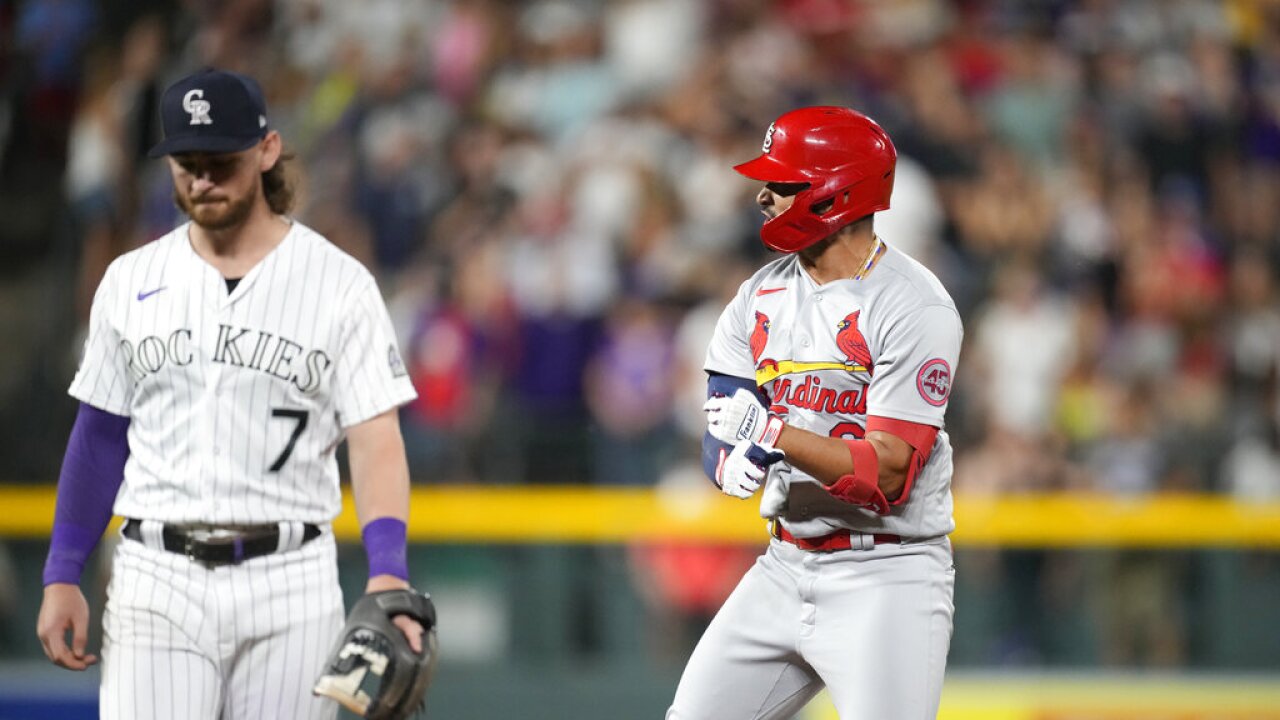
point(828, 356)
point(238, 399)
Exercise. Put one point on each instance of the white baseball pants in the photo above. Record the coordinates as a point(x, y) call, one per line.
point(181, 640)
point(873, 626)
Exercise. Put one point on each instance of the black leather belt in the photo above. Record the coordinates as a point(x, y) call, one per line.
point(232, 549)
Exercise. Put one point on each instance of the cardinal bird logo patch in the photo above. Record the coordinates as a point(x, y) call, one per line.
point(851, 342)
point(759, 336)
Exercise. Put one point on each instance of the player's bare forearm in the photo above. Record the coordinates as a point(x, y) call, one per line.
point(379, 478)
point(379, 471)
point(380, 483)
point(828, 459)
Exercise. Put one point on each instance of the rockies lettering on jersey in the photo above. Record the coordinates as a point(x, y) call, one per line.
point(153, 353)
point(281, 350)
point(238, 399)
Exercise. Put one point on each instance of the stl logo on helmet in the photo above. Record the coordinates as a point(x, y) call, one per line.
point(194, 104)
point(768, 139)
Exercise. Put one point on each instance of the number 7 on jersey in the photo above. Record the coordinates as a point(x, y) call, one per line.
point(300, 416)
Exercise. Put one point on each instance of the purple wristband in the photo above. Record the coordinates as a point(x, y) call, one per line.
point(384, 544)
point(92, 471)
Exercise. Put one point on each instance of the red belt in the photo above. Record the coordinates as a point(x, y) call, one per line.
point(838, 540)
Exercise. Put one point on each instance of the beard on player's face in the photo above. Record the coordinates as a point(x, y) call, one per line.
point(216, 211)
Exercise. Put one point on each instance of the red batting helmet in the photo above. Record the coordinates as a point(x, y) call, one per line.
point(844, 157)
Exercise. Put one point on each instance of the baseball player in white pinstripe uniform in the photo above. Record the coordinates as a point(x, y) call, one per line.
point(225, 363)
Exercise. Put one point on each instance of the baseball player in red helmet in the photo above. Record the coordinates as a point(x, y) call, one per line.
point(829, 374)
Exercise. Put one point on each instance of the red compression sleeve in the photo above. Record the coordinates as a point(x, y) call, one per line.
point(918, 435)
point(862, 486)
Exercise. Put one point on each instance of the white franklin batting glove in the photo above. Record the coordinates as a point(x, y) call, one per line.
point(741, 417)
point(739, 473)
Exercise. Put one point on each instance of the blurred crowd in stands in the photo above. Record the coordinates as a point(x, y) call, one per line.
point(545, 191)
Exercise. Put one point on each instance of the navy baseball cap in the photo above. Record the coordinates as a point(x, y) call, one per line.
point(213, 111)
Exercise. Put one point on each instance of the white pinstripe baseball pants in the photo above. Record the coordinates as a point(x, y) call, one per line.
point(230, 643)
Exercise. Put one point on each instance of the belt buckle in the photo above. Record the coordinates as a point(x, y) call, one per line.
point(189, 548)
point(195, 545)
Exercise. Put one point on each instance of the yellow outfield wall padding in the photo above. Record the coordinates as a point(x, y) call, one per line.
point(579, 514)
point(1098, 696)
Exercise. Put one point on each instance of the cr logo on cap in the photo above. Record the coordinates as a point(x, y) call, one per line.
point(195, 104)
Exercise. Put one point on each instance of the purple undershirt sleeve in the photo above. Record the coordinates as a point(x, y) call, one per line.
point(92, 471)
point(384, 543)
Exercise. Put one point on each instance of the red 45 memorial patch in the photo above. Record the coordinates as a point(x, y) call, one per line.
point(934, 382)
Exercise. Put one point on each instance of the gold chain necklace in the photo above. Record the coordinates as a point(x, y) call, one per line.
point(874, 254)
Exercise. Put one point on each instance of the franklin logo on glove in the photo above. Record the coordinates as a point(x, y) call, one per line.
point(749, 421)
point(741, 416)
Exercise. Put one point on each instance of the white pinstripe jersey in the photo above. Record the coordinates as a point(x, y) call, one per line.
point(238, 400)
point(828, 356)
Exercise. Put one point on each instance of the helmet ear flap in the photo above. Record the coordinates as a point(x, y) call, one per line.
point(837, 202)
